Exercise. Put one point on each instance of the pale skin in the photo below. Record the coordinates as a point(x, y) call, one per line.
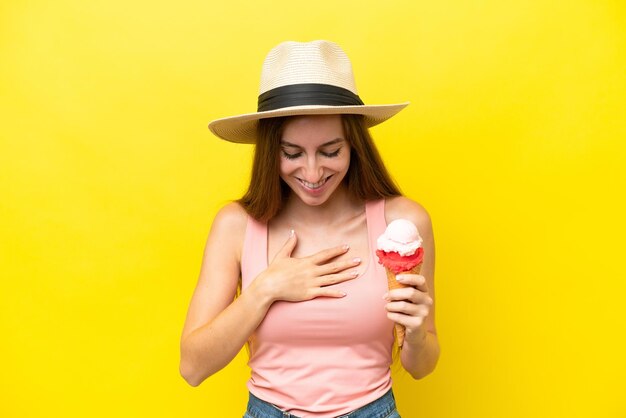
point(318, 239)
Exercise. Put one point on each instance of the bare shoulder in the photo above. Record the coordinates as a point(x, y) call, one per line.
point(405, 208)
point(231, 216)
point(229, 227)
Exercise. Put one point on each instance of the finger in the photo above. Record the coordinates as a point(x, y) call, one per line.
point(409, 322)
point(416, 280)
point(288, 247)
point(328, 254)
point(407, 308)
point(332, 279)
point(409, 293)
point(327, 292)
point(337, 266)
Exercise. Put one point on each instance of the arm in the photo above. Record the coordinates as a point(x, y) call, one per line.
point(414, 307)
point(217, 326)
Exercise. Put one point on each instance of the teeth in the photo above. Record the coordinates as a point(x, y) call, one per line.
point(314, 185)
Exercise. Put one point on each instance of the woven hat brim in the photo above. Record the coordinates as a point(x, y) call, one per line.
point(242, 128)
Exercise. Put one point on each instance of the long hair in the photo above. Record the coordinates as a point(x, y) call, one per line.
point(366, 179)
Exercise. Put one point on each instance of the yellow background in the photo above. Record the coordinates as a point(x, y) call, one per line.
point(109, 180)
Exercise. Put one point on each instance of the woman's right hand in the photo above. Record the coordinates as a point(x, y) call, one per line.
point(298, 279)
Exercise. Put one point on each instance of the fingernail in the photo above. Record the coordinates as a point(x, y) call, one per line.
point(354, 273)
point(385, 296)
point(346, 247)
point(400, 278)
point(292, 233)
point(356, 260)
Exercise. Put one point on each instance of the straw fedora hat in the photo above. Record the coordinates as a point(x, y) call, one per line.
point(303, 78)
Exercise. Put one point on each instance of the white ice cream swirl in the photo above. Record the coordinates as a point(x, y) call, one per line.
point(401, 236)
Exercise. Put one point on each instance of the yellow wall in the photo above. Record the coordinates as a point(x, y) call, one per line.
point(109, 181)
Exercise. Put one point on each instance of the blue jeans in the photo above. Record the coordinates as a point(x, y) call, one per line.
point(383, 407)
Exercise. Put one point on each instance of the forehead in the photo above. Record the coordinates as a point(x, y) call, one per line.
point(312, 130)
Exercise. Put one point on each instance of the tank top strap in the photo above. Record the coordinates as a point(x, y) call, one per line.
point(376, 223)
point(254, 252)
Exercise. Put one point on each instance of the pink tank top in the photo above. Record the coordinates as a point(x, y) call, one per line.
point(327, 356)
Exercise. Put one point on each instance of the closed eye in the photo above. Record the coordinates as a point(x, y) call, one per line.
point(331, 154)
point(291, 156)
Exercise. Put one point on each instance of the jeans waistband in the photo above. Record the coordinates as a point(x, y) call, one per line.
point(383, 407)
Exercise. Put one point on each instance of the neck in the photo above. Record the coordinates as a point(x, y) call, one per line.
point(334, 211)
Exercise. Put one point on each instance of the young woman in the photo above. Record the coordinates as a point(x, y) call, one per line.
point(314, 305)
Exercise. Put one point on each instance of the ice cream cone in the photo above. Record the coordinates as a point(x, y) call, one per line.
point(399, 250)
point(393, 283)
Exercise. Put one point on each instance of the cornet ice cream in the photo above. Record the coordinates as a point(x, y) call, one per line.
point(400, 251)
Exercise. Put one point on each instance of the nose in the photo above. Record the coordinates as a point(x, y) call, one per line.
point(313, 170)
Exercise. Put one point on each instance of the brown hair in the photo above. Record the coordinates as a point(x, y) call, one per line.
point(367, 177)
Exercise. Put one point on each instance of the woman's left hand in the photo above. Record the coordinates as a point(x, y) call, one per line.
point(410, 305)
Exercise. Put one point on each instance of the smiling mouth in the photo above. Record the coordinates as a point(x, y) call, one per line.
point(313, 186)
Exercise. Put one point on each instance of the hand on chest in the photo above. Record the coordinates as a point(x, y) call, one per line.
point(359, 316)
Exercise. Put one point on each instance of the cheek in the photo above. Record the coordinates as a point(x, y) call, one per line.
point(340, 167)
point(344, 163)
point(286, 166)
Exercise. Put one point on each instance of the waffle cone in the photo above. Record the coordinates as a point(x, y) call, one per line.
point(392, 283)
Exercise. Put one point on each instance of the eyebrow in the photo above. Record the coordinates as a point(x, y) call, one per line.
point(334, 141)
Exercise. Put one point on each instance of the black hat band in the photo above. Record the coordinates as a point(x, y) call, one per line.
point(307, 95)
